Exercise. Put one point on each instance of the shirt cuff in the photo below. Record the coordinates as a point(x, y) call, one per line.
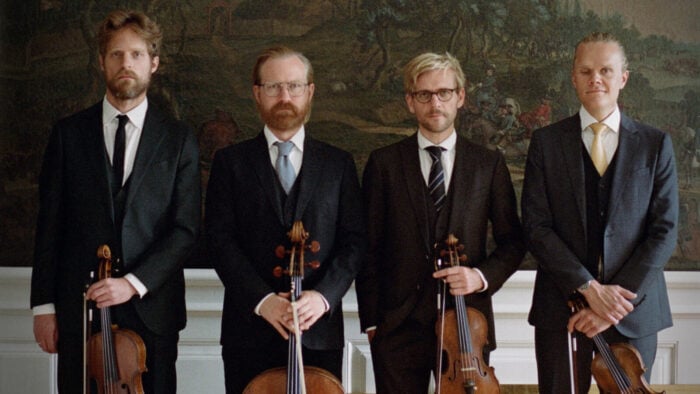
point(483, 278)
point(257, 307)
point(138, 285)
point(45, 309)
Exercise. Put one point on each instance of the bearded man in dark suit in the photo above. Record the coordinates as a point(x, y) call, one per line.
point(124, 174)
point(257, 190)
point(409, 219)
point(600, 210)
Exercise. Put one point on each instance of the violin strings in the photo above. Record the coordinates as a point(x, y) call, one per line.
point(621, 379)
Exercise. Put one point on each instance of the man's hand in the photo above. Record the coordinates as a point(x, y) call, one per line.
point(274, 310)
point(587, 322)
point(46, 332)
point(610, 302)
point(371, 334)
point(462, 280)
point(310, 307)
point(111, 291)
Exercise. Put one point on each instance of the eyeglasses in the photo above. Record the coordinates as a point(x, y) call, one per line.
point(273, 89)
point(424, 96)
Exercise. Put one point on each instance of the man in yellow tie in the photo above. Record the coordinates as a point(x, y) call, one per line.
point(600, 211)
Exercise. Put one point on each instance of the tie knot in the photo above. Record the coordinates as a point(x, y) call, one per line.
point(284, 147)
point(123, 119)
point(597, 127)
point(435, 151)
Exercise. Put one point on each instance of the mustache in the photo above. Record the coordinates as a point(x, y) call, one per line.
point(285, 106)
point(127, 73)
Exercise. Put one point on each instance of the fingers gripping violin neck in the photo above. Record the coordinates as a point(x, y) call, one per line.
point(115, 358)
point(462, 333)
point(617, 368)
point(295, 378)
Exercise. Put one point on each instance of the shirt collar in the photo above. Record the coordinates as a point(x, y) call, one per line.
point(612, 121)
point(297, 139)
point(137, 115)
point(448, 144)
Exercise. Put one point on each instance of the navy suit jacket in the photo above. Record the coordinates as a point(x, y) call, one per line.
point(641, 229)
point(160, 226)
point(400, 252)
point(244, 224)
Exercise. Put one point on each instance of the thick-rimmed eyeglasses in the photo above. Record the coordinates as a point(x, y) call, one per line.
point(273, 89)
point(424, 96)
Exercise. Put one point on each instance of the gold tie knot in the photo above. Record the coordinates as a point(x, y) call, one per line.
point(597, 127)
point(597, 150)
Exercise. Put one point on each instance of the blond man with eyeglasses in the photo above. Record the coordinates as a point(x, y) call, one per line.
point(417, 191)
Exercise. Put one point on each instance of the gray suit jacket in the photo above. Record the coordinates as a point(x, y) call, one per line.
point(640, 234)
point(161, 219)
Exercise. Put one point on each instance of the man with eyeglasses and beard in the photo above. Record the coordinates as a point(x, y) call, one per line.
point(257, 189)
point(417, 192)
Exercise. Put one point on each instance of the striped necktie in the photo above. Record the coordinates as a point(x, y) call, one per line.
point(436, 180)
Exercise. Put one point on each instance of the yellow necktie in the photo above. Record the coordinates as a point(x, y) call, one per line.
point(597, 151)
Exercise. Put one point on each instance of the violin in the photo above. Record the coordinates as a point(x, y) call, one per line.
point(115, 357)
point(617, 368)
point(462, 333)
point(295, 378)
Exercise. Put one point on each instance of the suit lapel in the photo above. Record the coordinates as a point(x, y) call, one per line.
point(152, 136)
point(259, 159)
point(570, 143)
point(624, 163)
point(415, 185)
point(462, 177)
point(312, 168)
point(97, 153)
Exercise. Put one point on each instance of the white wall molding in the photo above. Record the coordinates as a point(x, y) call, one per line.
point(25, 369)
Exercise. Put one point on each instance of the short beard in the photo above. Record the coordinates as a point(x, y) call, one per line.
point(127, 90)
point(284, 122)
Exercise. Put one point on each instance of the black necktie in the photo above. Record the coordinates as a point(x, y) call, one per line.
point(119, 146)
point(436, 180)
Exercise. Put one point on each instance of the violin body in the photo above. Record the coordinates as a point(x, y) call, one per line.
point(631, 363)
point(482, 379)
point(274, 381)
point(115, 357)
point(130, 356)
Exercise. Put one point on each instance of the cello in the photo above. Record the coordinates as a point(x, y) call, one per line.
point(462, 333)
point(295, 378)
point(617, 368)
point(115, 357)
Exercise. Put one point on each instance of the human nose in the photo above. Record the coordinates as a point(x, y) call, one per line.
point(284, 92)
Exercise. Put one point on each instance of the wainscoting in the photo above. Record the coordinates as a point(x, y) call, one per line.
point(25, 369)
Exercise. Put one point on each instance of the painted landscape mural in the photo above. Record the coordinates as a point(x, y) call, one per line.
point(516, 53)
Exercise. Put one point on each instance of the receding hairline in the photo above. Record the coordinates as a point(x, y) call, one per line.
point(604, 38)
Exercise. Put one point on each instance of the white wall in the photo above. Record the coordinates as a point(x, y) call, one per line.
point(24, 369)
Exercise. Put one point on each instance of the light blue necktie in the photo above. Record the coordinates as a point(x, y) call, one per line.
point(285, 170)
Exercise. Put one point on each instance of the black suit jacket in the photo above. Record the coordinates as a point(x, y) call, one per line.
point(161, 219)
point(640, 234)
point(244, 224)
point(399, 257)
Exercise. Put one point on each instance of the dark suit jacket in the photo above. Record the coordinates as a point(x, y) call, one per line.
point(399, 257)
point(640, 234)
point(161, 218)
point(244, 224)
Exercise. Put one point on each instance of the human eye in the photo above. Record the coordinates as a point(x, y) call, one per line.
point(444, 94)
point(422, 95)
point(295, 87)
